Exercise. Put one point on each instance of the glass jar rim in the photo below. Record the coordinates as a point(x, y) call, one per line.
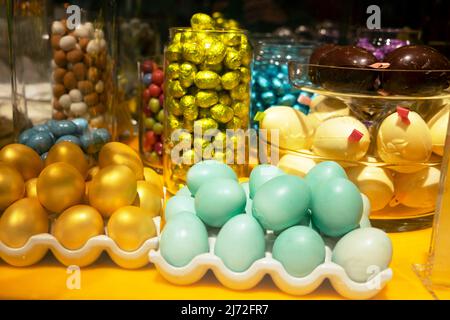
point(223, 31)
point(290, 42)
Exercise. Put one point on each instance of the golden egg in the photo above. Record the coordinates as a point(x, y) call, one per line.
point(76, 225)
point(151, 176)
point(130, 227)
point(86, 193)
point(92, 172)
point(119, 153)
point(22, 220)
point(69, 153)
point(23, 159)
point(12, 186)
point(60, 186)
point(31, 188)
point(113, 187)
point(148, 198)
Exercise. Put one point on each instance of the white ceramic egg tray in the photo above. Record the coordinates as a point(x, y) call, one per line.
point(37, 247)
point(337, 276)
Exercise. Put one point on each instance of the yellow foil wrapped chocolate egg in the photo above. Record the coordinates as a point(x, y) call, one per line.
point(31, 188)
point(130, 227)
point(334, 139)
point(375, 182)
point(148, 198)
point(294, 131)
point(24, 159)
point(60, 186)
point(119, 153)
point(12, 186)
point(438, 129)
point(296, 164)
point(69, 153)
point(22, 220)
point(76, 225)
point(400, 141)
point(113, 187)
point(418, 189)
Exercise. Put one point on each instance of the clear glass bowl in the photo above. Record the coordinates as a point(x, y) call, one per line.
point(411, 203)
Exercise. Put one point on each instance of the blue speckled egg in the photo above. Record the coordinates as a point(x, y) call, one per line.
point(101, 136)
point(268, 98)
point(25, 135)
point(219, 200)
point(363, 253)
point(281, 202)
point(86, 140)
point(147, 79)
point(260, 175)
point(184, 192)
point(300, 250)
point(263, 83)
point(205, 171)
point(324, 171)
point(336, 206)
point(69, 138)
point(41, 128)
point(240, 243)
point(178, 204)
point(62, 128)
point(183, 238)
point(41, 142)
point(82, 125)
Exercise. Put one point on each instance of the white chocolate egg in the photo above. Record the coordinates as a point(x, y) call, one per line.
point(325, 107)
point(402, 142)
point(418, 189)
point(375, 182)
point(76, 95)
point(81, 31)
point(93, 47)
point(78, 108)
point(67, 43)
point(438, 128)
point(58, 28)
point(65, 101)
point(294, 133)
point(297, 165)
point(332, 141)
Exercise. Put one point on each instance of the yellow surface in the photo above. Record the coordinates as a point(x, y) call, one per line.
point(104, 280)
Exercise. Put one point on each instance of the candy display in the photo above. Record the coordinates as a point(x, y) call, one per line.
point(75, 208)
point(152, 113)
point(207, 86)
point(81, 74)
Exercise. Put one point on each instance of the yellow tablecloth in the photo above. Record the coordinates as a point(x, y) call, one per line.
point(104, 280)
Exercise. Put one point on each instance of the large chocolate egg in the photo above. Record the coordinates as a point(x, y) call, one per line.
point(416, 83)
point(315, 57)
point(342, 79)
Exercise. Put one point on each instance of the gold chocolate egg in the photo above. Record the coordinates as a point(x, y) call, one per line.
point(130, 227)
point(22, 220)
point(148, 198)
point(60, 186)
point(31, 188)
point(12, 186)
point(69, 153)
point(119, 153)
point(151, 176)
point(113, 187)
point(23, 159)
point(76, 225)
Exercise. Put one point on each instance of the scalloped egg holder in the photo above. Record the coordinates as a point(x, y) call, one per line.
point(199, 266)
point(37, 247)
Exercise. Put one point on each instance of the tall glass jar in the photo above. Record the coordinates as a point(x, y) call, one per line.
point(206, 92)
point(270, 76)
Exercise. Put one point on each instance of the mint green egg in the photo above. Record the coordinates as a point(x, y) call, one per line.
point(281, 202)
point(206, 171)
point(336, 206)
point(246, 187)
point(300, 250)
point(261, 174)
point(183, 238)
point(219, 200)
point(184, 192)
point(178, 204)
point(324, 171)
point(249, 206)
point(240, 243)
point(363, 253)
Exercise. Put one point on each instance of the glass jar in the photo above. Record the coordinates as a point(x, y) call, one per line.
point(206, 92)
point(270, 77)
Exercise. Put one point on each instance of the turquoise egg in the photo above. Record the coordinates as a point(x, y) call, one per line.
point(178, 204)
point(205, 171)
point(281, 202)
point(26, 134)
point(240, 243)
point(183, 238)
point(219, 200)
point(260, 175)
point(184, 192)
point(249, 206)
point(363, 253)
point(69, 138)
point(336, 207)
point(41, 142)
point(246, 187)
point(82, 125)
point(62, 128)
point(300, 250)
point(324, 171)
point(101, 136)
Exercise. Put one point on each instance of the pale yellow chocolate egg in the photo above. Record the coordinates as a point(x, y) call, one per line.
point(297, 165)
point(326, 107)
point(438, 128)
